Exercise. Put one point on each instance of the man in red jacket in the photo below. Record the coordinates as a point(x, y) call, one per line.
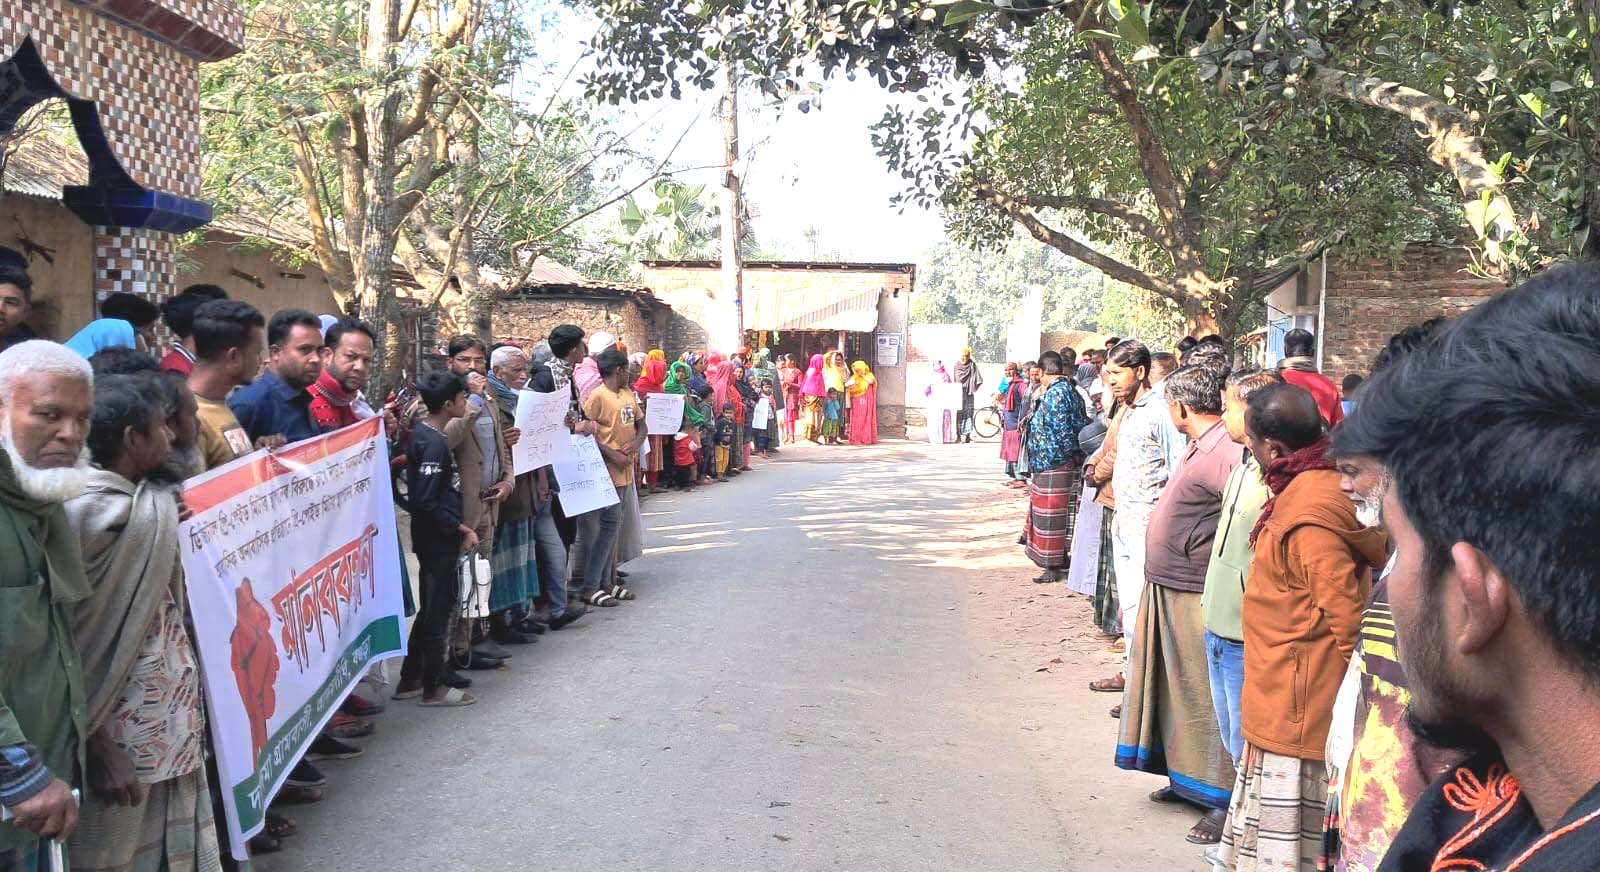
point(1299, 368)
point(336, 399)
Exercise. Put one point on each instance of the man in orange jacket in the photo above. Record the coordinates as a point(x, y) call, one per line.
point(1301, 615)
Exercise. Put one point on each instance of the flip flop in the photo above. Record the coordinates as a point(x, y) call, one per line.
point(410, 693)
point(452, 699)
point(1166, 795)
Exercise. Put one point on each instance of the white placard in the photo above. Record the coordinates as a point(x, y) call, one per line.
point(946, 395)
point(663, 414)
point(759, 417)
point(542, 420)
point(584, 480)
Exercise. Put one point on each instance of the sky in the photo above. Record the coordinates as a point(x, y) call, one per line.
point(802, 170)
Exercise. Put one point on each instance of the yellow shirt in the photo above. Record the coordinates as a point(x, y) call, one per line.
point(222, 438)
point(618, 415)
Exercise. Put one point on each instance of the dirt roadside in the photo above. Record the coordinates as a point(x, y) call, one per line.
point(1041, 649)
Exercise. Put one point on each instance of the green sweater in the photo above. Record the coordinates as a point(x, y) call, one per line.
point(1242, 499)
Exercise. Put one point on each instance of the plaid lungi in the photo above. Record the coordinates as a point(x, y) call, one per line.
point(1275, 818)
point(1052, 515)
point(171, 830)
point(516, 572)
point(1107, 609)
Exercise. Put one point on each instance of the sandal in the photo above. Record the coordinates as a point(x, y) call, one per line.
point(280, 826)
point(1116, 711)
point(408, 691)
point(622, 593)
point(1208, 830)
point(452, 698)
point(1049, 576)
point(1115, 684)
point(602, 599)
point(1166, 795)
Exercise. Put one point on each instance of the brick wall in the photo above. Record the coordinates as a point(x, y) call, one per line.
point(1367, 302)
point(532, 318)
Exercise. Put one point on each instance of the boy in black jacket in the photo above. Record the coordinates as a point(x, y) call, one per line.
point(439, 539)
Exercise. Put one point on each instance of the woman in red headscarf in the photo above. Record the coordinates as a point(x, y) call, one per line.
point(813, 391)
point(652, 380)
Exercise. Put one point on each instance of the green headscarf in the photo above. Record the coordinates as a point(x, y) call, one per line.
point(679, 384)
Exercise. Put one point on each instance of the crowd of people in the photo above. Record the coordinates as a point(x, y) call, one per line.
point(1359, 625)
point(100, 698)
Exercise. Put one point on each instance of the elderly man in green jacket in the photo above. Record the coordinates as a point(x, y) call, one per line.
point(46, 396)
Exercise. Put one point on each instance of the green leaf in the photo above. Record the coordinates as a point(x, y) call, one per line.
point(964, 11)
point(1534, 102)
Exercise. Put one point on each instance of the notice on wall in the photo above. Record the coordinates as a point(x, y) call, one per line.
point(889, 349)
point(760, 415)
point(293, 576)
point(663, 414)
point(584, 480)
point(542, 420)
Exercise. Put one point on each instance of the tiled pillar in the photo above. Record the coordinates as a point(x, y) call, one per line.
point(133, 260)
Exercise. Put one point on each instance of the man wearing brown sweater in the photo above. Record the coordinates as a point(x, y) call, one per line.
point(1301, 615)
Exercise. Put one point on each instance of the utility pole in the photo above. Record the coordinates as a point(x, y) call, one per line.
point(732, 203)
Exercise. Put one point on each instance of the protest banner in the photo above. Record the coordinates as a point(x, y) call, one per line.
point(293, 577)
point(542, 420)
point(663, 414)
point(758, 417)
point(584, 479)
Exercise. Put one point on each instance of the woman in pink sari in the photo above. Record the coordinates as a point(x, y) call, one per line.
point(812, 393)
point(862, 390)
point(941, 423)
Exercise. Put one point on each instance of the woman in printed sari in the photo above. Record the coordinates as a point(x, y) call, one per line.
point(652, 380)
point(789, 378)
point(813, 392)
point(1013, 400)
point(677, 382)
point(862, 391)
point(941, 423)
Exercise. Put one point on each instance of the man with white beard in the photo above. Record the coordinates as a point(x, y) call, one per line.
point(1378, 766)
point(46, 397)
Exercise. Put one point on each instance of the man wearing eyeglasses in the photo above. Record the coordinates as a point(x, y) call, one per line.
point(482, 452)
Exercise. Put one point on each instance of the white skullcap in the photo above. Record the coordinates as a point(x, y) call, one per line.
point(599, 342)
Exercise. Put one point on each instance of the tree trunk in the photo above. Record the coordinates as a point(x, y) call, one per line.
point(375, 258)
point(732, 208)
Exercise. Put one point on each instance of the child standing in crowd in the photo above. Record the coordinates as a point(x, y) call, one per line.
point(439, 538)
point(768, 404)
point(725, 443)
point(831, 410)
point(705, 454)
point(683, 449)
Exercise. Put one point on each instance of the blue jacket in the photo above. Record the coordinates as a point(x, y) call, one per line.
point(269, 407)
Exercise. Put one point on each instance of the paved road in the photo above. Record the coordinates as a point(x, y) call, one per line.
point(792, 691)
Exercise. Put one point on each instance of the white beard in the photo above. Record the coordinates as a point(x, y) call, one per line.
point(45, 485)
point(1368, 513)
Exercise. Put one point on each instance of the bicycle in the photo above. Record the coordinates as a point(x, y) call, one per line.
point(986, 422)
